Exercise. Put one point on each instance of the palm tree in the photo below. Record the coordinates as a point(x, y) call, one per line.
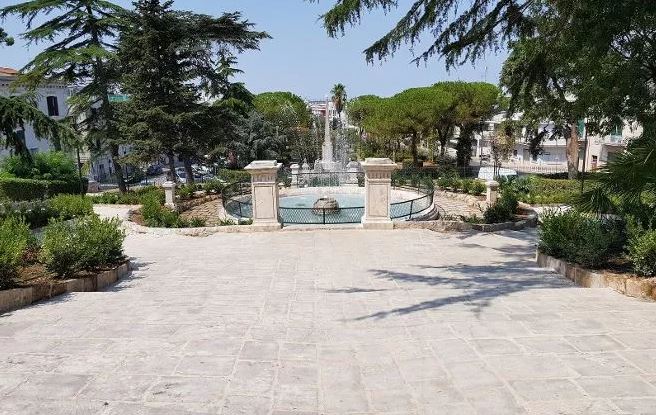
point(627, 185)
point(81, 53)
point(339, 97)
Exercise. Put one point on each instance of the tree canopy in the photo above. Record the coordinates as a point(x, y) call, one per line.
point(421, 113)
point(172, 62)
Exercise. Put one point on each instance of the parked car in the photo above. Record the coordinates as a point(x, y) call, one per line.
point(154, 170)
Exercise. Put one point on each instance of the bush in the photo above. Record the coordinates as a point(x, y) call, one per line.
point(197, 222)
point(50, 165)
point(466, 185)
point(14, 238)
point(130, 198)
point(504, 209)
point(186, 191)
point(73, 186)
point(158, 216)
point(84, 244)
point(71, 206)
point(232, 176)
point(477, 188)
point(578, 238)
point(642, 251)
point(213, 186)
point(36, 213)
point(22, 189)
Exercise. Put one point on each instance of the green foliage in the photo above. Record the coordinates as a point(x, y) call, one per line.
point(213, 186)
point(22, 189)
point(22, 110)
point(52, 165)
point(504, 209)
point(642, 251)
point(579, 238)
point(158, 216)
point(197, 222)
point(543, 191)
point(71, 206)
point(284, 109)
point(226, 222)
point(130, 198)
point(232, 176)
point(81, 245)
point(478, 187)
point(186, 192)
point(36, 213)
point(14, 238)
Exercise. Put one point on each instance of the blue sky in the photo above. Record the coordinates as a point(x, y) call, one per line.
point(301, 57)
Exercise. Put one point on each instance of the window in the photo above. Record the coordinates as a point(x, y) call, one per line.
point(53, 106)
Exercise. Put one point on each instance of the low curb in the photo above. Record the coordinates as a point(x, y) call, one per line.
point(643, 288)
point(456, 226)
point(22, 297)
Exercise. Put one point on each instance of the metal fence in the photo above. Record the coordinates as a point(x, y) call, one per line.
point(322, 179)
point(321, 216)
point(406, 209)
point(237, 199)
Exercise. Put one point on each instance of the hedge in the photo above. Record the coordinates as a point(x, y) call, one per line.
point(29, 189)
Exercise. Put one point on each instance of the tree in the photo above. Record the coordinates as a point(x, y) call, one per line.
point(591, 58)
point(170, 58)
point(293, 122)
point(339, 97)
point(82, 33)
point(5, 38)
point(18, 111)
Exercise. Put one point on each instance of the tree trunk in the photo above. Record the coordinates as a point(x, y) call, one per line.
point(171, 159)
point(413, 149)
point(572, 150)
point(189, 171)
point(118, 169)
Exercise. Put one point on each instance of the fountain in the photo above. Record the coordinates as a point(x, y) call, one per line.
point(327, 205)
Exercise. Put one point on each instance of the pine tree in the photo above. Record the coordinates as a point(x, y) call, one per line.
point(81, 52)
point(172, 60)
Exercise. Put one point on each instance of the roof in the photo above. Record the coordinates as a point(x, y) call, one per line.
point(8, 71)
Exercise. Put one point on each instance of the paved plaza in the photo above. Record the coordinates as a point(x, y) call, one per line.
point(332, 322)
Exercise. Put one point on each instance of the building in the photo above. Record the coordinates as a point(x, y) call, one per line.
point(50, 99)
point(597, 150)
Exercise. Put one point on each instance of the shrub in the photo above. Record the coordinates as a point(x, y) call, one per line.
point(226, 222)
point(158, 216)
point(504, 209)
point(71, 206)
point(578, 238)
point(213, 186)
point(197, 222)
point(232, 176)
point(14, 238)
point(130, 198)
point(22, 189)
point(186, 191)
point(36, 213)
point(466, 185)
point(72, 186)
point(642, 251)
point(84, 244)
point(478, 187)
point(50, 165)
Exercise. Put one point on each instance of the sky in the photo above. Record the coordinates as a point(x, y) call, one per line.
point(301, 57)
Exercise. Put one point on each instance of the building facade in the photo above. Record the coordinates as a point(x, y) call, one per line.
point(50, 99)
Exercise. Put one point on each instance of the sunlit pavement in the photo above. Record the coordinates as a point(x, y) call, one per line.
point(332, 322)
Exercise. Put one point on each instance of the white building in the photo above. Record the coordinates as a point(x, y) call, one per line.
point(50, 99)
point(599, 150)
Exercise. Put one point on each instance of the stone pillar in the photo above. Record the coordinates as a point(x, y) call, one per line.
point(492, 192)
point(169, 194)
point(295, 171)
point(378, 193)
point(264, 184)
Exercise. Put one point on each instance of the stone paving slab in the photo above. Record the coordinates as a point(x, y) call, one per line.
point(332, 322)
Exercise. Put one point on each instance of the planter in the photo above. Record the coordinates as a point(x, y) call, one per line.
point(21, 297)
point(644, 288)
